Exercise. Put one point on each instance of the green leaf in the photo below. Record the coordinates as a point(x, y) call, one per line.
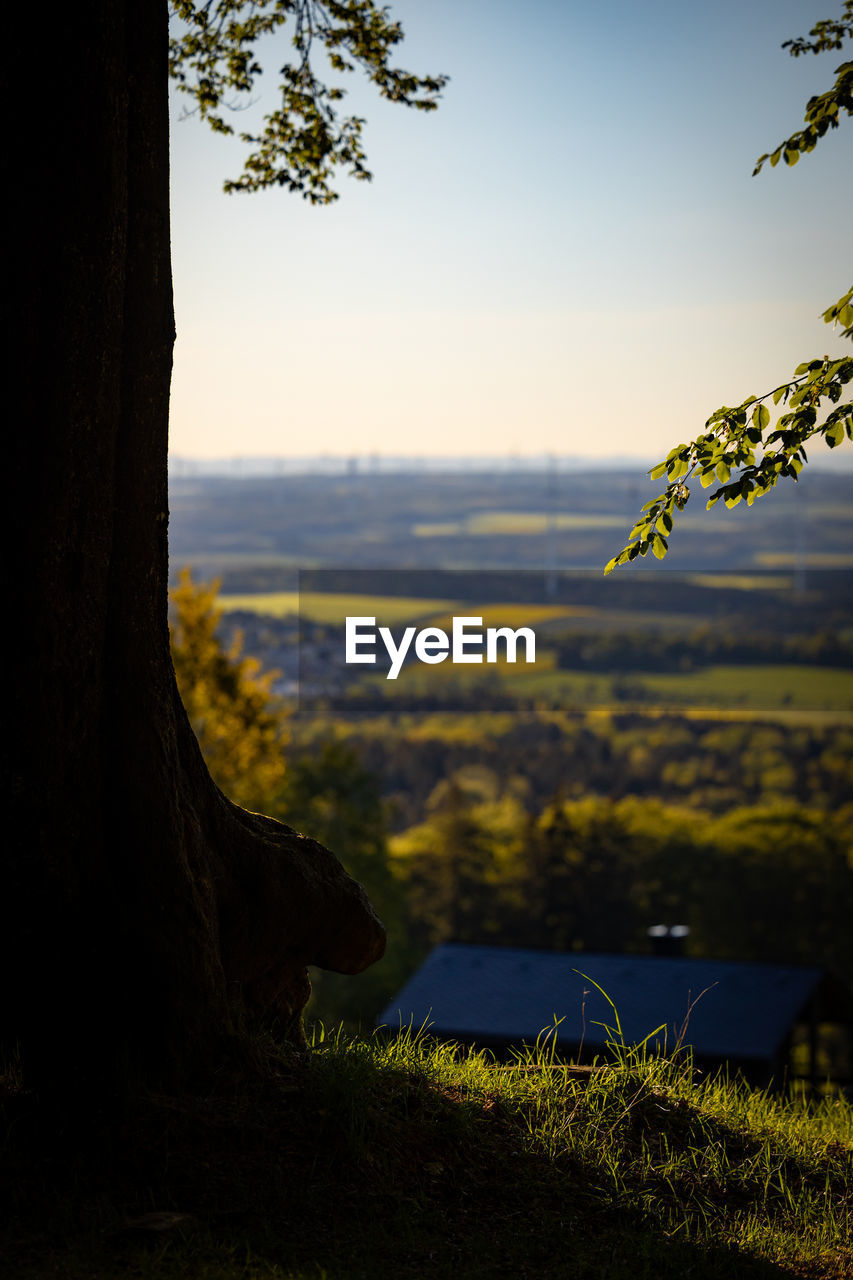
point(660, 547)
point(658, 471)
point(723, 472)
point(707, 478)
point(835, 434)
point(761, 417)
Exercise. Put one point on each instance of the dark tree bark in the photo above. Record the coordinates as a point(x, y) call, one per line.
point(144, 918)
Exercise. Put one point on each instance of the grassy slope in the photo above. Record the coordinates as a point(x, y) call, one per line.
point(400, 1159)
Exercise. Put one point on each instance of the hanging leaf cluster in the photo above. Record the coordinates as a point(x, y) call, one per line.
point(823, 111)
point(728, 451)
point(303, 141)
point(828, 33)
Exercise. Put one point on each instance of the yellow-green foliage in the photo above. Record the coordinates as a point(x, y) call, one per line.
point(770, 882)
point(240, 724)
point(467, 852)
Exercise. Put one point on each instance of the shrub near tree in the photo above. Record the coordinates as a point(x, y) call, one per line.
point(243, 730)
point(240, 725)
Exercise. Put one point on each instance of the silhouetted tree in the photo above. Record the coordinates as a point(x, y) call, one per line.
point(144, 916)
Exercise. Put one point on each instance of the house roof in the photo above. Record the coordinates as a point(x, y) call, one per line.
point(508, 995)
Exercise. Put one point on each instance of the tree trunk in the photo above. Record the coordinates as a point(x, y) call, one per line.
point(143, 916)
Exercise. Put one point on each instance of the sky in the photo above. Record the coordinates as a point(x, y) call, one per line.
point(570, 256)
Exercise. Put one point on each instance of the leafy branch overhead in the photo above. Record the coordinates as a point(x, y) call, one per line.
point(822, 113)
point(740, 448)
point(824, 110)
point(304, 139)
point(734, 434)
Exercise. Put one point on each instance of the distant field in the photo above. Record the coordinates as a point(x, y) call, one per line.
point(811, 560)
point(798, 688)
point(486, 524)
point(796, 692)
point(803, 687)
point(740, 581)
point(331, 607)
point(277, 604)
point(512, 615)
point(334, 607)
point(390, 610)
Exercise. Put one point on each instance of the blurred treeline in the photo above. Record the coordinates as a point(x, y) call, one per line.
point(713, 764)
point(545, 829)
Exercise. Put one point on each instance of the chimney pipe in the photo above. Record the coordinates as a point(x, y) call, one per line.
point(668, 939)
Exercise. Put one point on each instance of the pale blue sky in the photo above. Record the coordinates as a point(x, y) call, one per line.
point(570, 255)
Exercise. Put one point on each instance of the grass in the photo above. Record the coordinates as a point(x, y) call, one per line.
point(409, 1158)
